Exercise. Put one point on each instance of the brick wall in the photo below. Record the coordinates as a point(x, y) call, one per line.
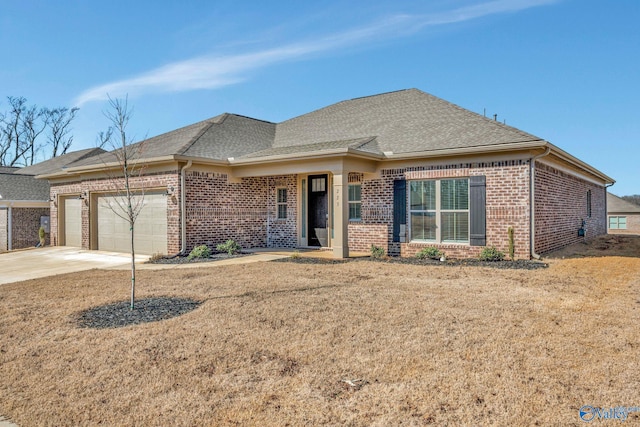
point(507, 205)
point(25, 225)
point(4, 235)
point(148, 182)
point(633, 224)
point(362, 236)
point(561, 206)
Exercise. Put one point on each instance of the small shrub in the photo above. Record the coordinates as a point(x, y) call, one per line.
point(491, 254)
point(296, 254)
point(201, 251)
point(156, 257)
point(230, 247)
point(430, 252)
point(377, 251)
point(42, 235)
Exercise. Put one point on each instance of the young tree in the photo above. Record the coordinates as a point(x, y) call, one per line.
point(122, 169)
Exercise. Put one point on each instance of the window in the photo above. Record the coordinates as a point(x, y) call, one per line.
point(618, 222)
point(355, 202)
point(439, 210)
point(318, 184)
point(282, 203)
point(588, 203)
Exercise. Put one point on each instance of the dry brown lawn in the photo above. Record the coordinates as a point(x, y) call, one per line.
point(359, 343)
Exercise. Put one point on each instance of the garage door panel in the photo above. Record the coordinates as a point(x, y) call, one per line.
point(150, 234)
point(73, 222)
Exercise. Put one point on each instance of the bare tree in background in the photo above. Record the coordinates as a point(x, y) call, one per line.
point(59, 121)
point(22, 128)
point(635, 199)
point(12, 145)
point(127, 165)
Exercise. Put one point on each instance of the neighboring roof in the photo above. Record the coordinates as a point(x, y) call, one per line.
point(617, 204)
point(8, 169)
point(57, 163)
point(22, 187)
point(403, 122)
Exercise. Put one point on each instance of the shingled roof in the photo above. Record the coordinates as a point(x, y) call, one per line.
point(56, 163)
point(617, 204)
point(406, 123)
point(403, 122)
point(14, 187)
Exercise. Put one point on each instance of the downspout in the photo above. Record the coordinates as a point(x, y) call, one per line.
point(606, 207)
point(532, 194)
point(10, 228)
point(183, 208)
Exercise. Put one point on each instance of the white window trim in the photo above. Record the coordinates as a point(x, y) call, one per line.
point(438, 213)
point(617, 217)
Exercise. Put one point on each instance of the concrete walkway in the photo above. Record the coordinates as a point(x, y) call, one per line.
point(6, 423)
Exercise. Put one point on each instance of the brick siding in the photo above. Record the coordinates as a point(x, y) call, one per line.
point(25, 225)
point(507, 205)
point(633, 224)
point(561, 206)
point(147, 182)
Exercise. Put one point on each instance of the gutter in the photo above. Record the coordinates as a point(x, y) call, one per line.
point(183, 208)
point(532, 193)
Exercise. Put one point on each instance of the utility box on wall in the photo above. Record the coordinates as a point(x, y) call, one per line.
point(45, 223)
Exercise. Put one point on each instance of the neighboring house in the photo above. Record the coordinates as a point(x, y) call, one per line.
point(401, 170)
point(623, 216)
point(24, 200)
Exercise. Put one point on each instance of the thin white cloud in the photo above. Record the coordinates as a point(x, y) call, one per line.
point(211, 72)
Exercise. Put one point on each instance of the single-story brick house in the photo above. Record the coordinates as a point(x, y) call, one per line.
point(24, 200)
point(623, 217)
point(400, 170)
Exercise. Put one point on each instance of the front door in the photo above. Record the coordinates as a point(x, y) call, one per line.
point(318, 210)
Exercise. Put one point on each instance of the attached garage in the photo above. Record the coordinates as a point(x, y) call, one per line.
point(73, 222)
point(150, 235)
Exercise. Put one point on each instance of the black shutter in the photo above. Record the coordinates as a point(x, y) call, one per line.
point(399, 207)
point(478, 210)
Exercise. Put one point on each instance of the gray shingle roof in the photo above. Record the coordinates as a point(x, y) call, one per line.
point(617, 204)
point(23, 187)
point(403, 122)
point(406, 121)
point(56, 163)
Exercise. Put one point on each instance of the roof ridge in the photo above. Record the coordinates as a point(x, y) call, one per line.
point(204, 130)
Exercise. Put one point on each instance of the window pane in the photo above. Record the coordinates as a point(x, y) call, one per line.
point(622, 222)
point(354, 211)
point(613, 222)
point(355, 192)
point(282, 195)
point(454, 194)
point(455, 227)
point(282, 211)
point(423, 226)
point(423, 195)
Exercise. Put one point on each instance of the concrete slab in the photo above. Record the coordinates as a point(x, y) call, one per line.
point(43, 262)
point(6, 423)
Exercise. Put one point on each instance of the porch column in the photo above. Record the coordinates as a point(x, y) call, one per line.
point(340, 215)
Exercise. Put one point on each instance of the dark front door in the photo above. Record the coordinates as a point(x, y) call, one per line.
point(318, 210)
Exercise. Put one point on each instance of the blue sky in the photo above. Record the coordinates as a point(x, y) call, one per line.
point(567, 71)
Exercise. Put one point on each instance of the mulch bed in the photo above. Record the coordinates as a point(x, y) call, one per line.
point(186, 260)
point(517, 264)
point(146, 310)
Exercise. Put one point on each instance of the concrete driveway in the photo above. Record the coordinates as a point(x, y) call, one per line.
point(49, 261)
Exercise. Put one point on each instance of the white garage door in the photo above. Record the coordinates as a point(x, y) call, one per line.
point(150, 227)
point(73, 222)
